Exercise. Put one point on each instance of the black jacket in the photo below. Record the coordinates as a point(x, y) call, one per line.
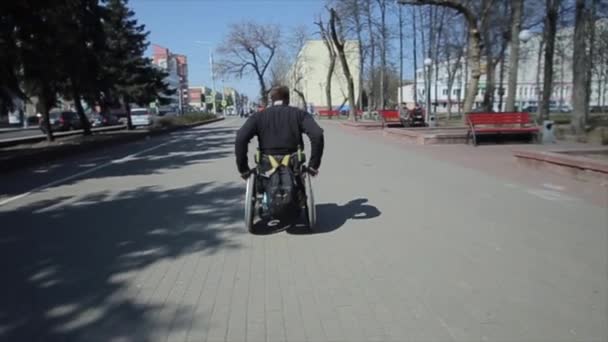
point(279, 130)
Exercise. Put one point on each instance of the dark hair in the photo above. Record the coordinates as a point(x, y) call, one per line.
point(279, 93)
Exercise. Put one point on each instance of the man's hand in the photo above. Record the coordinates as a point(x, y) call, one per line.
point(245, 175)
point(313, 172)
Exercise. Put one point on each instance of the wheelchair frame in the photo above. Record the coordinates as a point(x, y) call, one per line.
point(253, 198)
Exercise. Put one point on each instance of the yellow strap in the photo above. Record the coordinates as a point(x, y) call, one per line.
point(274, 163)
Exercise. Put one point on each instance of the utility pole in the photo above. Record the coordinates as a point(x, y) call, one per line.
point(400, 97)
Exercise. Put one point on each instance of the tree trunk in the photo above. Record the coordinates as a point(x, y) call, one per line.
point(436, 55)
point(488, 96)
point(591, 19)
point(400, 98)
point(361, 54)
point(516, 15)
point(415, 57)
point(539, 60)
point(86, 125)
point(339, 44)
point(302, 98)
point(372, 103)
point(549, 33)
point(382, 4)
point(330, 73)
point(501, 88)
point(579, 69)
point(128, 109)
point(474, 58)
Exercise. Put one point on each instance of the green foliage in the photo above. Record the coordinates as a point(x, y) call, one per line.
point(75, 49)
point(187, 119)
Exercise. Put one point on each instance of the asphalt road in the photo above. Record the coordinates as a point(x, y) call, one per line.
point(145, 242)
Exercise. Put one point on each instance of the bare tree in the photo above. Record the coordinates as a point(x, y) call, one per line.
point(581, 64)
point(415, 53)
point(383, 49)
point(454, 48)
point(327, 40)
point(600, 64)
point(474, 41)
point(550, 30)
point(298, 41)
point(517, 7)
point(339, 43)
point(368, 9)
point(249, 47)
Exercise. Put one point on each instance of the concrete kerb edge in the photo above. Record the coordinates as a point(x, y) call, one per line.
point(40, 157)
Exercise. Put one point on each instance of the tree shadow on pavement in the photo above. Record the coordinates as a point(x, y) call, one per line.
point(84, 267)
point(331, 216)
point(190, 147)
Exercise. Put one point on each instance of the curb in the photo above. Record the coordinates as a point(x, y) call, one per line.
point(55, 153)
point(41, 137)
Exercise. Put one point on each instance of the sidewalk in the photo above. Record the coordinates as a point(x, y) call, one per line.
point(498, 161)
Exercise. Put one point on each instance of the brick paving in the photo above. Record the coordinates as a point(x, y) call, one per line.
point(414, 245)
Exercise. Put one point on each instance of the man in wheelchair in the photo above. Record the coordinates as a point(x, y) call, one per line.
point(280, 159)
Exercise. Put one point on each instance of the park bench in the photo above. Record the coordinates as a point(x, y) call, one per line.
point(390, 117)
point(326, 113)
point(500, 124)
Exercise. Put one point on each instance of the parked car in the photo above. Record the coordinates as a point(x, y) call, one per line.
point(141, 117)
point(103, 120)
point(62, 121)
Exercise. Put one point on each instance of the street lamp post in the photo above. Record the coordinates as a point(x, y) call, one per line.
point(212, 71)
point(524, 37)
point(430, 117)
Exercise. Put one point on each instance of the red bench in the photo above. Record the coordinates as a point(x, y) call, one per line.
point(328, 113)
point(390, 117)
point(500, 123)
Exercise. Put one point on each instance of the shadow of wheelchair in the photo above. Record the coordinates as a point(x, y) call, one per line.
point(331, 216)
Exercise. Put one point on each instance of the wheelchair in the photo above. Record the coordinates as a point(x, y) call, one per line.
point(254, 193)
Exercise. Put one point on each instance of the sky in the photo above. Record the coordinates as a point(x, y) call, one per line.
point(179, 24)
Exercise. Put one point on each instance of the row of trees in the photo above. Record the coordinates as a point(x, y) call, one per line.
point(79, 50)
point(468, 37)
point(493, 28)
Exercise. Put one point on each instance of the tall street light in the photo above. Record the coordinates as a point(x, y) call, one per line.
point(212, 72)
point(524, 37)
point(430, 117)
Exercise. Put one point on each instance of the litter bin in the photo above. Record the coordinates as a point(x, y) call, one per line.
point(548, 135)
point(432, 121)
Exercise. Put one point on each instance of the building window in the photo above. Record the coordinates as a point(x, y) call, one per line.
point(445, 91)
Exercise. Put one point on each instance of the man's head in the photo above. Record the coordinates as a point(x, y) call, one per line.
point(279, 93)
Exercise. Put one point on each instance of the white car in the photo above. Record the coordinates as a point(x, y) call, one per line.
point(141, 117)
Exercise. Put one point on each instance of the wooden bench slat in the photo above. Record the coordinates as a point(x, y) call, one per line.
point(506, 122)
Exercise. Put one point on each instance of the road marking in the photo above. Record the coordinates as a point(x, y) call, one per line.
point(102, 166)
point(86, 172)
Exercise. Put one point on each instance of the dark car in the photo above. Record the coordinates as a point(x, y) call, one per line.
point(62, 121)
point(103, 120)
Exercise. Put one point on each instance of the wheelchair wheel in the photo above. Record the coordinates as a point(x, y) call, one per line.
point(250, 199)
point(311, 213)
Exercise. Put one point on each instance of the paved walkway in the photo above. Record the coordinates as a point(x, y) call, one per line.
point(145, 242)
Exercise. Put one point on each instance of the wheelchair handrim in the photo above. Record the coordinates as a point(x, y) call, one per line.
point(250, 202)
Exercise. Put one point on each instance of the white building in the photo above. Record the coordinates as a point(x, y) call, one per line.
point(529, 79)
point(308, 74)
